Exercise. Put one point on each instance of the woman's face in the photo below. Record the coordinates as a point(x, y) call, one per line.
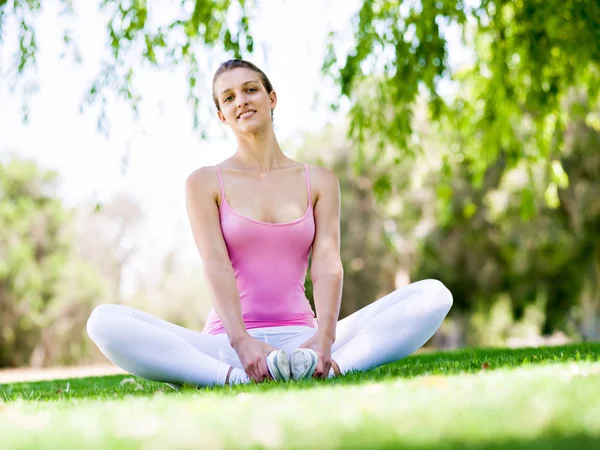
point(245, 104)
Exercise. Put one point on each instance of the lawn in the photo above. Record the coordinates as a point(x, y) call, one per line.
point(546, 398)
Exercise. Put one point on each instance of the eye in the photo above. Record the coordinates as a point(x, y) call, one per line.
point(228, 98)
point(252, 89)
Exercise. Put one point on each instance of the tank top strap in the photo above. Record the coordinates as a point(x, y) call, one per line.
point(220, 184)
point(308, 185)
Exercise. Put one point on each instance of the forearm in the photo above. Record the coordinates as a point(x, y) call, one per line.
point(327, 293)
point(226, 301)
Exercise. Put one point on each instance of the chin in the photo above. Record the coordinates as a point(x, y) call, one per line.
point(253, 127)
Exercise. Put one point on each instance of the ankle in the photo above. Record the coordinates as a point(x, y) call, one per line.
point(236, 376)
point(336, 368)
point(228, 375)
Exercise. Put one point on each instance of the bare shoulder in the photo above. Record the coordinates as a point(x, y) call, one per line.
point(203, 181)
point(202, 175)
point(323, 180)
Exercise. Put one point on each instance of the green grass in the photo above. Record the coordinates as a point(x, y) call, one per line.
point(547, 398)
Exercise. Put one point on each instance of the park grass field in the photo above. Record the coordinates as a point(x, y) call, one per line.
point(544, 398)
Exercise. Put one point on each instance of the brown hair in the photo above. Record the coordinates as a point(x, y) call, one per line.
point(236, 64)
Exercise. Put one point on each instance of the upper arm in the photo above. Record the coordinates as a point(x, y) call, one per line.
point(201, 196)
point(326, 245)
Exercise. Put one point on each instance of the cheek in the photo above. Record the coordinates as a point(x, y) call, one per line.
point(228, 112)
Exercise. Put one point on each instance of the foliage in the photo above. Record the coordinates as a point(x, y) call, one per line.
point(485, 248)
point(108, 239)
point(45, 294)
point(476, 240)
point(138, 35)
point(478, 399)
point(528, 57)
point(175, 292)
point(368, 257)
point(57, 264)
point(491, 188)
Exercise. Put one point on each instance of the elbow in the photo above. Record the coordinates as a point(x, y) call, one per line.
point(329, 269)
point(214, 271)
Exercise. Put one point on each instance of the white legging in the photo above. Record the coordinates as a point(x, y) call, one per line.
point(384, 331)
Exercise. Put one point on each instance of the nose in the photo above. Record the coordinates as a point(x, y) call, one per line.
point(242, 101)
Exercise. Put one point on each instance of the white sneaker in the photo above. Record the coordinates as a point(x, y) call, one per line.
point(279, 365)
point(303, 363)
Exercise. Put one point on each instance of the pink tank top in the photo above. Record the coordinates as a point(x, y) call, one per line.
point(270, 261)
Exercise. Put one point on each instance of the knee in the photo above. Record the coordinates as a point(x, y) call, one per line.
point(100, 320)
point(441, 294)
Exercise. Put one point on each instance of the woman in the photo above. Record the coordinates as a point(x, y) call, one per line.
point(255, 218)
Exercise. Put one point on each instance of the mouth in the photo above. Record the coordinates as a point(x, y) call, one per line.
point(247, 114)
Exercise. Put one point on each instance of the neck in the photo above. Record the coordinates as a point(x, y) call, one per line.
point(260, 151)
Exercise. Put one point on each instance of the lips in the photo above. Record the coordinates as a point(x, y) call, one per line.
point(246, 114)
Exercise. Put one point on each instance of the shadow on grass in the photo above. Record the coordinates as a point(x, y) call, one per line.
point(476, 360)
point(550, 442)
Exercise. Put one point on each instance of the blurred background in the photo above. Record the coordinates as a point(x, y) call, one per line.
point(465, 135)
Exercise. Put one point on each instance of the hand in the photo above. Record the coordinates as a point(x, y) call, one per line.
point(321, 344)
point(252, 354)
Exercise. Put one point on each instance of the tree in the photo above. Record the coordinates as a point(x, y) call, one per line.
point(43, 289)
point(138, 36)
point(543, 271)
point(551, 259)
point(368, 255)
point(511, 111)
point(107, 238)
point(528, 57)
point(579, 215)
point(174, 291)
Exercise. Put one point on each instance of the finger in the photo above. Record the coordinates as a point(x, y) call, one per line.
point(252, 375)
point(248, 371)
point(256, 376)
point(325, 368)
point(263, 370)
point(318, 370)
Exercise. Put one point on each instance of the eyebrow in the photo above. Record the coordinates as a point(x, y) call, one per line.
point(243, 84)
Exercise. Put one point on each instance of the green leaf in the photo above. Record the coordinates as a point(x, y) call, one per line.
point(527, 208)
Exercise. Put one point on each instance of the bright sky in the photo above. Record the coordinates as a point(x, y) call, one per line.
point(163, 148)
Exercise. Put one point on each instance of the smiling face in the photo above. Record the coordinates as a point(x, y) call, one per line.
point(244, 103)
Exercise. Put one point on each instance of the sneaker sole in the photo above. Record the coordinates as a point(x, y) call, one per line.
point(310, 369)
point(280, 366)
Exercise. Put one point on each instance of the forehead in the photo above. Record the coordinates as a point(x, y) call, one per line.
point(235, 77)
